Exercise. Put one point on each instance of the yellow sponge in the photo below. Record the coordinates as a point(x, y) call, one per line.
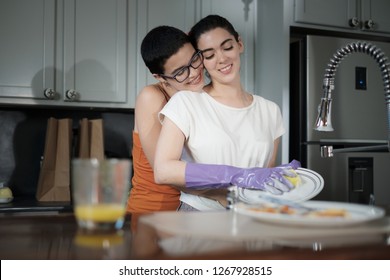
point(296, 181)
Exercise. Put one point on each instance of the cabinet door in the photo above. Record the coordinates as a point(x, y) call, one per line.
point(152, 13)
point(331, 12)
point(378, 12)
point(94, 52)
point(27, 63)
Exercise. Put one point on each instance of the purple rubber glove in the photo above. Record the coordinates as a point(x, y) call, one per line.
point(221, 176)
point(279, 184)
point(294, 164)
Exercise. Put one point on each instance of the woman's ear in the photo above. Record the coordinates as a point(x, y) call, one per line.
point(159, 78)
point(240, 44)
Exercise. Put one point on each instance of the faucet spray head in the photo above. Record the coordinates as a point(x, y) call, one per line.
point(324, 117)
point(324, 120)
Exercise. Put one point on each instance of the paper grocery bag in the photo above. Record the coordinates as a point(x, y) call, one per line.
point(83, 139)
point(91, 143)
point(54, 176)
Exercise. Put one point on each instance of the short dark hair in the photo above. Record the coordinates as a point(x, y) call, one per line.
point(160, 44)
point(208, 23)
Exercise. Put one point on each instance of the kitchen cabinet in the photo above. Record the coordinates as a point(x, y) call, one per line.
point(67, 53)
point(375, 13)
point(362, 16)
point(85, 53)
point(27, 32)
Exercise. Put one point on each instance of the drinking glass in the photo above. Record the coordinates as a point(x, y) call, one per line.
point(100, 191)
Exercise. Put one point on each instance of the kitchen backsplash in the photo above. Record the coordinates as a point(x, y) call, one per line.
point(22, 137)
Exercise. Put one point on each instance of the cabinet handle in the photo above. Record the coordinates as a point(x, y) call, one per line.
point(72, 95)
point(354, 22)
point(50, 93)
point(369, 24)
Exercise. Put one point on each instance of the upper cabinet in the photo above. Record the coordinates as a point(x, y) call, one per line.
point(354, 15)
point(375, 15)
point(85, 53)
point(67, 53)
point(94, 51)
point(27, 49)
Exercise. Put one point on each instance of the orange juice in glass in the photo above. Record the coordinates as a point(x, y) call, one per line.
point(100, 190)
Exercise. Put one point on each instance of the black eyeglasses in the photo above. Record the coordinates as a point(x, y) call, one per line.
point(184, 72)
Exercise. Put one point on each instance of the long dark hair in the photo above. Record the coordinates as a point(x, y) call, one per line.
point(208, 23)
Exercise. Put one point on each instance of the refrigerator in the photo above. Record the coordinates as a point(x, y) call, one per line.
point(359, 169)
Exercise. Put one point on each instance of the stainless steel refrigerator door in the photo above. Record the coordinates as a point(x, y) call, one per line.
point(333, 170)
point(346, 179)
point(356, 114)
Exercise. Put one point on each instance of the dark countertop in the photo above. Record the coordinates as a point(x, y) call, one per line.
point(58, 237)
point(20, 205)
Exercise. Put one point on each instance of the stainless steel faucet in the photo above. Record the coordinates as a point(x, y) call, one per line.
point(324, 118)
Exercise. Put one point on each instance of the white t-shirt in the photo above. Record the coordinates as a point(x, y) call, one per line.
point(219, 134)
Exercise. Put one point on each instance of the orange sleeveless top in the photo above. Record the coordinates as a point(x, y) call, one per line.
point(146, 196)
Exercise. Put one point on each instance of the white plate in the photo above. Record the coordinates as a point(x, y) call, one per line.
point(311, 184)
point(356, 214)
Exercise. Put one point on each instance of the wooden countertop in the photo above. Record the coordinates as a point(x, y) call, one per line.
point(25, 236)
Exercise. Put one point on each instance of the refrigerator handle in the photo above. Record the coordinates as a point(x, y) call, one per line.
point(328, 151)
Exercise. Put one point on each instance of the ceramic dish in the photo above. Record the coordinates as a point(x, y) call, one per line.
point(311, 184)
point(353, 214)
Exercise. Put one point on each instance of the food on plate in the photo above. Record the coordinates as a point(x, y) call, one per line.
point(331, 212)
point(302, 211)
point(284, 209)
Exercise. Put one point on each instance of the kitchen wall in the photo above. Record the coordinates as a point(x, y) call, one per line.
point(22, 139)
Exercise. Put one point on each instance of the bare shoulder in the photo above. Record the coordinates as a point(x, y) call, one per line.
point(150, 96)
point(150, 92)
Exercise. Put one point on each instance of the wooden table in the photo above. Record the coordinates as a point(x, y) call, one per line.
point(25, 236)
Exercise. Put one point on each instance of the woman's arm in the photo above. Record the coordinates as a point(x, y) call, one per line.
point(150, 101)
point(168, 168)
